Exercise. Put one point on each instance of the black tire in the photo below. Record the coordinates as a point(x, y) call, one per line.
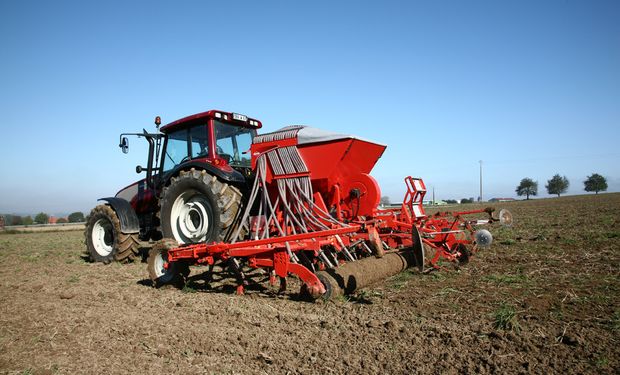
point(105, 241)
point(197, 207)
point(161, 274)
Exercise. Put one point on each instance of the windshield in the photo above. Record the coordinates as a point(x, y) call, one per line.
point(233, 143)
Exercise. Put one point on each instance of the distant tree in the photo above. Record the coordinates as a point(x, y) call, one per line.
point(595, 183)
point(467, 200)
point(27, 220)
point(557, 185)
point(61, 220)
point(41, 218)
point(16, 220)
point(451, 201)
point(385, 201)
point(527, 187)
point(76, 217)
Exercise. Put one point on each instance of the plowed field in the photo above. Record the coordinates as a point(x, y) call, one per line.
point(544, 299)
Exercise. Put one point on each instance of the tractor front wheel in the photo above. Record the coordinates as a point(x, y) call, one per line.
point(104, 239)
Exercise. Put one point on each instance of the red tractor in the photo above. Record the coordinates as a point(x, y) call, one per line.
point(196, 175)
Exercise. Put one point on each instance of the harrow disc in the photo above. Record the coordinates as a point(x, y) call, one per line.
point(483, 237)
point(505, 218)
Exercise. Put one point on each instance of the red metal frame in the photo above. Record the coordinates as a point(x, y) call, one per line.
point(448, 234)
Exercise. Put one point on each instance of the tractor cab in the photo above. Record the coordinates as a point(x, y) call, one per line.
point(215, 140)
point(219, 139)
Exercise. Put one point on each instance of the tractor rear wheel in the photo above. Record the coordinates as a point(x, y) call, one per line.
point(104, 239)
point(197, 207)
point(163, 273)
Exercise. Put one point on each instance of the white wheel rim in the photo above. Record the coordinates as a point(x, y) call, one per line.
point(189, 218)
point(483, 237)
point(103, 237)
point(161, 272)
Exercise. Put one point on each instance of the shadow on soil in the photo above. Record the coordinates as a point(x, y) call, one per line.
point(226, 282)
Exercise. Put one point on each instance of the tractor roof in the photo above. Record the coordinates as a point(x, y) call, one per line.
point(229, 117)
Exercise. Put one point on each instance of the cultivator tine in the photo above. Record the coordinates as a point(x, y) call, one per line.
point(325, 259)
point(346, 252)
point(233, 263)
point(291, 254)
point(334, 257)
point(282, 288)
point(365, 246)
point(306, 261)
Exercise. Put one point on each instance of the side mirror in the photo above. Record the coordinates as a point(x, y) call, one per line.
point(124, 145)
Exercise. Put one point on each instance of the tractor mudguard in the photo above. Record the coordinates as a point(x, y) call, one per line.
point(126, 215)
point(233, 177)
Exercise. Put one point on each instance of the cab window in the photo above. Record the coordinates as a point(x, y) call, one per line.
point(176, 149)
point(233, 143)
point(199, 142)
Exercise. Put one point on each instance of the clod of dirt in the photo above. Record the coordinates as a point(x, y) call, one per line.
point(264, 357)
point(539, 237)
point(162, 351)
point(570, 340)
point(66, 295)
point(390, 325)
point(373, 324)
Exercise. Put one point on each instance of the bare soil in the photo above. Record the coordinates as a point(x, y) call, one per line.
point(543, 299)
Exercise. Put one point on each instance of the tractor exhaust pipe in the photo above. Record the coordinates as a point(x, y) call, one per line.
point(352, 276)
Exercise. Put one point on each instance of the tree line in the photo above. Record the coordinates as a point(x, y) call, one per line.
point(42, 218)
point(558, 185)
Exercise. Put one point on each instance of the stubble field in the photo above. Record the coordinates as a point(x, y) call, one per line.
point(543, 299)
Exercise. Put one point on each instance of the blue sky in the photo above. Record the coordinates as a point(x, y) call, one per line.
point(532, 88)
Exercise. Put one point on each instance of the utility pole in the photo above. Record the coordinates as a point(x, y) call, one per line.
point(480, 161)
